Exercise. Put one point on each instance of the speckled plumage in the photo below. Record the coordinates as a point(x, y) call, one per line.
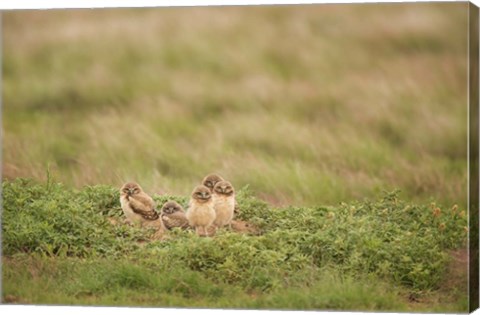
point(173, 215)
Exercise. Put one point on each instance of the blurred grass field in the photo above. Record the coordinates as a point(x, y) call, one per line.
point(305, 104)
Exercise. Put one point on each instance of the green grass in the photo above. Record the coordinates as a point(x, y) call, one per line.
point(130, 283)
point(59, 247)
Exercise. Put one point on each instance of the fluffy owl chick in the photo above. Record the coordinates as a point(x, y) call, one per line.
point(211, 180)
point(223, 203)
point(200, 213)
point(137, 206)
point(173, 215)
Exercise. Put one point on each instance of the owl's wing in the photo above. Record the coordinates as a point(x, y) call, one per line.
point(147, 210)
point(176, 219)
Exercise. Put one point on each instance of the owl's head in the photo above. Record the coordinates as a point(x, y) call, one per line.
point(201, 194)
point(211, 180)
point(224, 188)
point(170, 207)
point(130, 189)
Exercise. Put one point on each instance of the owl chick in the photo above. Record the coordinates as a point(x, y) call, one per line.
point(211, 180)
point(223, 203)
point(200, 213)
point(173, 215)
point(136, 204)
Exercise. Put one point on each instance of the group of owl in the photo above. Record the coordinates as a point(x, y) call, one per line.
point(211, 206)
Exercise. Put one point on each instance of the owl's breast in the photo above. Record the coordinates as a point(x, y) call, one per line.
point(224, 208)
point(201, 214)
point(127, 210)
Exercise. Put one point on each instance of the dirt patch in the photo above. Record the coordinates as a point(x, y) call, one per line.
point(238, 226)
point(457, 271)
point(244, 227)
point(113, 221)
point(9, 298)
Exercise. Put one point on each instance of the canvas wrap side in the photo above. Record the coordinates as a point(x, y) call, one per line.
point(473, 154)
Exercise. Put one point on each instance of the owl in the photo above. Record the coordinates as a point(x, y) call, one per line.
point(223, 203)
point(211, 180)
point(173, 215)
point(139, 208)
point(200, 213)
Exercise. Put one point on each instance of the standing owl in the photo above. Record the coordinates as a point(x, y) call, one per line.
point(173, 215)
point(200, 213)
point(223, 203)
point(139, 207)
point(211, 180)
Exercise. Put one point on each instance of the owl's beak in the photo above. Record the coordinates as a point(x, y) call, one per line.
point(130, 191)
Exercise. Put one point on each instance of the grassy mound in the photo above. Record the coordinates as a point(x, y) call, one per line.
point(389, 239)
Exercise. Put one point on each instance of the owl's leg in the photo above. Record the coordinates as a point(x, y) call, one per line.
point(197, 230)
point(205, 230)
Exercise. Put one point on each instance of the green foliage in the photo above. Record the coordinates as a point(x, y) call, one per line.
point(252, 209)
point(389, 238)
point(104, 198)
point(58, 221)
point(151, 282)
point(254, 263)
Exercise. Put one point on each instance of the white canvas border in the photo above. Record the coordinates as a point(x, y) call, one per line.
point(49, 4)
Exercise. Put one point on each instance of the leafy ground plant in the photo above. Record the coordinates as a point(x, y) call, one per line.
point(358, 248)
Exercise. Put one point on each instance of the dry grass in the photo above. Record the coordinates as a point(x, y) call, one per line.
point(306, 104)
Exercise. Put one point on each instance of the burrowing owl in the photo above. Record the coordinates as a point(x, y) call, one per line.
point(200, 213)
point(211, 180)
point(139, 207)
point(223, 203)
point(173, 215)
